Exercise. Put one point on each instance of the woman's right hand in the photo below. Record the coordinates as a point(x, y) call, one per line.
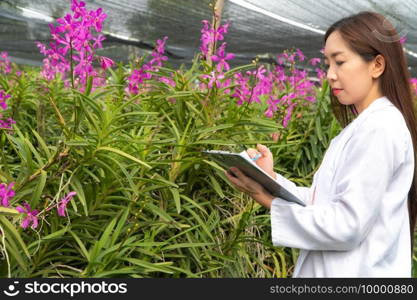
point(266, 161)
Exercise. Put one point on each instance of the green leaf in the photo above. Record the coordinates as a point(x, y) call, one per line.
point(84, 251)
point(13, 232)
point(186, 245)
point(176, 195)
point(214, 142)
point(14, 251)
point(158, 211)
point(216, 186)
point(201, 223)
point(54, 235)
point(78, 188)
point(124, 154)
point(319, 129)
point(117, 272)
point(128, 177)
point(90, 118)
point(214, 164)
point(150, 267)
point(307, 152)
point(42, 144)
point(91, 103)
point(120, 225)
point(8, 211)
point(39, 188)
point(213, 129)
point(89, 85)
point(102, 242)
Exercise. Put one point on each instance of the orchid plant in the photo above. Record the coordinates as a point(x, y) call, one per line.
point(127, 194)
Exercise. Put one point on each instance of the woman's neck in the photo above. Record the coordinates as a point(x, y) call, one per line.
point(374, 94)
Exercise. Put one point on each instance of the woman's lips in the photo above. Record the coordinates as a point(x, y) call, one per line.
point(337, 91)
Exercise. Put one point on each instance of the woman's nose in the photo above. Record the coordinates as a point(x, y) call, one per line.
point(331, 75)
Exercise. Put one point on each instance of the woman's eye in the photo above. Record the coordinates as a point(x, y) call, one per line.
point(339, 63)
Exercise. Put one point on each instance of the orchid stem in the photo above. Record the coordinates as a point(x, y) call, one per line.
point(71, 65)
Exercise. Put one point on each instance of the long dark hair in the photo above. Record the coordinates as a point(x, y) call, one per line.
point(370, 34)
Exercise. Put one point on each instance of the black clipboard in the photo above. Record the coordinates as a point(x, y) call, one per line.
point(251, 169)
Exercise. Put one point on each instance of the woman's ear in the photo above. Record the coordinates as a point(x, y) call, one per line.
point(378, 66)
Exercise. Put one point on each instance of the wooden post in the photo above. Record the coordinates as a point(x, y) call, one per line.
point(217, 15)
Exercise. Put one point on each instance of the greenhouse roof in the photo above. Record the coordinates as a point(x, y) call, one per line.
point(258, 27)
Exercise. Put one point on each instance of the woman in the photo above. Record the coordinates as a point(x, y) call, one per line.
point(361, 208)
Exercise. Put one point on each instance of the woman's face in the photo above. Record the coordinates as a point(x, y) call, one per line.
point(350, 77)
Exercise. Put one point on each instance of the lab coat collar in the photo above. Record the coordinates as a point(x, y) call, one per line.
point(376, 104)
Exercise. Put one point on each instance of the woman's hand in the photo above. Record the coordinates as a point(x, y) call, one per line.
point(266, 161)
point(249, 186)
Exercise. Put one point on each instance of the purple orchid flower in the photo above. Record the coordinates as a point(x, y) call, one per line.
point(300, 54)
point(62, 205)
point(3, 98)
point(75, 32)
point(221, 58)
point(314, 61)
point(67, 24)
point(97, 41)
point(31, 216)
point(139, 76)
point(98, 18)
point(5, 65)
point(106, 62)
point(78, 8)
point(209, 36)
point(6, 193)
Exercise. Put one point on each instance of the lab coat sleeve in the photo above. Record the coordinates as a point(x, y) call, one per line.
point(368, 162)
point(303, 193)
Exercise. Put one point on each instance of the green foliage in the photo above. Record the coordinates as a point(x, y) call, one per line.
point(147, 204)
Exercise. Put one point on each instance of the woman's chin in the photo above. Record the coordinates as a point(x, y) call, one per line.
point(343, 101)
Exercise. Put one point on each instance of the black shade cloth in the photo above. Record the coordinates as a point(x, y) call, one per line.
point(132, 26)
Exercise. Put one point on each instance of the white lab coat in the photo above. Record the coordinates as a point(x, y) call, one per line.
point(356, 221)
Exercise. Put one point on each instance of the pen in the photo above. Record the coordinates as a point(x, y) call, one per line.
point(258, 155)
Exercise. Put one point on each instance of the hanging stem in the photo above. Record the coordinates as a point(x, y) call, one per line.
point(71, 65)
point(246, 105)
